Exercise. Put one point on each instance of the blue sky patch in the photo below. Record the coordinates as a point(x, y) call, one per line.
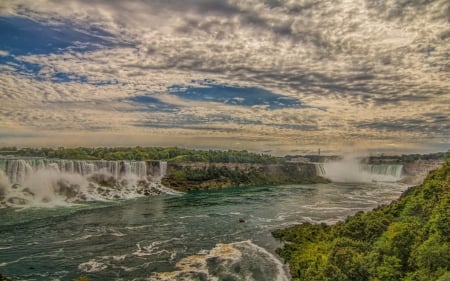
point(234, 95)
point(32, 70)
point(153, 104)
point(22, 67)
point(23, 36)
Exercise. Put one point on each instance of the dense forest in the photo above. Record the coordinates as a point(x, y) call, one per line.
point(407, 240)
point(171, 154)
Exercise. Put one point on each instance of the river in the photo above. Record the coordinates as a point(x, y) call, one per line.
point(204, 235)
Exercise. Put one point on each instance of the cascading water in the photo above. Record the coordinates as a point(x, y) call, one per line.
point(162, 168)
point(42, 182)
point(18, 169)
point(394, 171)
point(320, 169)
point(351, 170)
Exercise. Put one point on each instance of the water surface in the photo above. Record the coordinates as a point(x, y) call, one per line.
point(196, 236)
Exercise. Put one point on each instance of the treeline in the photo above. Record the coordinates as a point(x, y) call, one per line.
point(408, 240)
point(174, 154)
point(407, 158)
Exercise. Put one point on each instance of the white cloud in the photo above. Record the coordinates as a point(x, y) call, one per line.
point(366, 64)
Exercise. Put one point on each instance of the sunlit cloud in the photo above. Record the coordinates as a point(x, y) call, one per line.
point(275, 76)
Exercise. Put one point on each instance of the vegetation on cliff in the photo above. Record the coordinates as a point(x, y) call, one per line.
point(173, 154)
point(214, 176)
point(407, 240)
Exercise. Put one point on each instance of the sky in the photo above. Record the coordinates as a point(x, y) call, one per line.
point(272, 76)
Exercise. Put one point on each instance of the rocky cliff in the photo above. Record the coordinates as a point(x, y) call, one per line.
point(201, 175)
point(415, 172)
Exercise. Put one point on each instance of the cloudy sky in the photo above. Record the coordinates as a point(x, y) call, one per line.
point(278, 76)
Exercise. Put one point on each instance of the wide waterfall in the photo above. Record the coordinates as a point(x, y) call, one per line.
point(18, 169)
point(43, 181)
point(394, 171)
point(351, 170)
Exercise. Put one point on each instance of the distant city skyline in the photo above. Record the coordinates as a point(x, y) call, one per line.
point(273, 76)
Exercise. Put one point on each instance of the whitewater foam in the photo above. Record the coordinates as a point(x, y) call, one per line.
point(235, 261)
point(92, 266)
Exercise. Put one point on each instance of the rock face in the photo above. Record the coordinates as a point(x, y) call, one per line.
point(196, 176)
point(415, 172)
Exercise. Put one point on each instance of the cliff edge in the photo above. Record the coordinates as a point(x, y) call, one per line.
point(196, 176)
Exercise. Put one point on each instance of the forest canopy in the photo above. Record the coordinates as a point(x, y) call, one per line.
point(172, 154)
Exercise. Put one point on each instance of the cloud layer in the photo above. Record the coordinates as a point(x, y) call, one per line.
point(274, 75)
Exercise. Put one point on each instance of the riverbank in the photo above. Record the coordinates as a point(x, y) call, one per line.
point(405, 240)
point(198, 176)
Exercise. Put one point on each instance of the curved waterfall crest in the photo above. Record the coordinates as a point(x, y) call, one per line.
point(352, 170)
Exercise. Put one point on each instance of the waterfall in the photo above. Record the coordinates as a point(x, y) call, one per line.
point(384, 170)
point(18, 169)
point(162, 168)
point(139, 168)
point(320, 169)
point(350, 170)
point(51, 182)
